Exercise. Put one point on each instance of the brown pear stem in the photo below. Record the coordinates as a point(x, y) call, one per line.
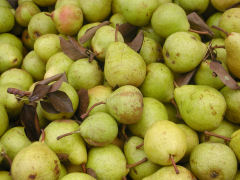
point(18, 92)
point(48, 14)
point(137, 163)
point(174, 164)
point(83, 116)
point(139, 146)
point(175, 84)
point(4, 154)
point(220, 29)
point(116, 32)
point(217, 135)
point(83, 165)
point(124, 178)
point(43, 135)
point(215, 47)
point(124, 131)
point(198, 32)
point(68, 134)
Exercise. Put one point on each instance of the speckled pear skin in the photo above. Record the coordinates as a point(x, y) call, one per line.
point(201, 107)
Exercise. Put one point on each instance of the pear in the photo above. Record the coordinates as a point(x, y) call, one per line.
point(14, 140)
point(168, 19)
point(232, 47)
point(7, 20)
point(108, 162)
point(26, 40)
point(43, 122)
point(231, 97)
point(225, 129)
point(197, 36)
point(182, 52)
point(36, 161)
point(73, 145)
point(17, 76)
point(237, 176)
point(84, 74)
point(46, 46)
point(103, 37)
point(30, 62)
point(123, 66)
point(138, 13)
point(165, 142)
point(134, 155)
point(198, 6)
point(98, 94)
point(5, 175)
point(160, 2)
point(61, 3)
point(201, 107)
point(56, 64)
point(7, 38)
point(4, 122)
point(234, 143)
point(126, 104)
point(25, 12)
point(213, 161)
point(95, 10)
point(99, 129)
point(150, 33)
point(169, 173)
point(158, 82)
point(5, 3)
point(78, 176)
point(41, 24)
point(153, 111)
point(72, 168)
point(213, 20)
point(2, 150)
point(117, 19)
point(10, 57)
point(172, 113)
point(116, 6)
point(223, 5)
point(63, 171)
point(44, 3)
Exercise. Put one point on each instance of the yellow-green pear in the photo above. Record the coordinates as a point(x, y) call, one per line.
point(213, 20)
point(222, 5)
point(198, 6)
point(234, 143)
point(117, 19)
point(5, 175)
point(7, 38)
point(4, 122)
point(77, 176)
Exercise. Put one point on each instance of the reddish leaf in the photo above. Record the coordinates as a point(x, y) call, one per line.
point(91, 32)
point(185, 78)
point(48, 107)
point(14, 3)
point(83, 101)
point(51, 79)
point(60, 101)
point(128, 31)
point(224, 76)
point(55, 86)
point(92, 173)
point(30, 121)
point(137, 42)
point(39, 92)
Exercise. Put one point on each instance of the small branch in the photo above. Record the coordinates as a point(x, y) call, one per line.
point(137, 163)
point(50, 79)
point(215, 47)
point(68, 134)
point(116, 32)
point(43, 135)
point(83, 116)
point(4, 154)
point(207, 133)
point(18, 92)
point(220, 29)
point(174, 164)
point(83, 165)
point(139, 146)
point(199, 32)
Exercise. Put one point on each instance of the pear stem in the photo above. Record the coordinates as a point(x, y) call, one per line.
point(4, 154)
point(139, 146)
point(137, 163)
point(220, 29)
point(83, 165)
point(83, 116)
point(48, 14)
point(18, 92)
point(43, 135)
point(68, 134)
point(198, 32)
point(174, 164)
point(215, 47)
point(116, 32)
point(217, 135)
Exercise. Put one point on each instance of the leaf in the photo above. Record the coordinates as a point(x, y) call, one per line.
point(51, 79)
point(83, 101)
point(72, 48)
point(30, 121)
point(60, 101)
point(91, 32)
point(14, 3)
point(137, 42)
point(198, 23)
point(39, 92)
point(223, 75)
point(185, 78)
point(128, 31)
point(55, 86)
point(48, 107)
point(92, 173)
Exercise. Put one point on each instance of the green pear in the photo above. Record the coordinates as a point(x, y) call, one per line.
point(213, 161)
point(150, 33)
point(164, 141)
point(7, 20)
point(223, 5)
point(172, 113)
point(213, 20)
point(168, 19)
point(30, 62)
point(14, 140)
point(78, 176)
point(126, 104)
point(36, 161)
point(225, 129)
point(231, 97)
point(5, 3)
point(169, 173)
point(56, 64)
point(116, 6)
point(95, 10)
point(41, 24)
point(46, 46)
point(61, 3)
point(4, 123)
point(160, 2)
point(73, 145)
point(123, 66)
point(98, 94)
point(84, 74)
point(201, 107)
point(63, 171)
point(153, 111)
point(43, 122)
point(108, 162)
point(17, 76)
point(197, 36)
point(27, 41)
point(117, 19)
point(44, 3)
point(22, 1)
point(103, 37)
point(10, 57)
point(158, 82)
point(234, 143)
point(182, 52)
point(8, 38)
point(134, 155)
point(237, 177)
point(2, 150)
point(139, 12)
point(5, 175)
point(198, 6)
point(72, 168)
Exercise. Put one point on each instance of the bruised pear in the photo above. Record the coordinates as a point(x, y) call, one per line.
point(27, 40)
point(126, 104)
point(123, 66)
point(77, 176)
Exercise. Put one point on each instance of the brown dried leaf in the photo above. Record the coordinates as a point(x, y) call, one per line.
point(48, 107)
point(92, 173)
point(50, 79)
point(91, 32)
point(39, 92)
point(223, 75)
point(83, 101)
point(30, 121)
point(55, 86)
point(185, 78)
point(128, 31)
point(137, 42)
point(60, 101)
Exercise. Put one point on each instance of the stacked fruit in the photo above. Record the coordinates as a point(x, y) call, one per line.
point(119, 89)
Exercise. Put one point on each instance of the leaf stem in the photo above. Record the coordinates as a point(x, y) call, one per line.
point(83, 116)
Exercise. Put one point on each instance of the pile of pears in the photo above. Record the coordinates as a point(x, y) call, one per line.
point(140, 121)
